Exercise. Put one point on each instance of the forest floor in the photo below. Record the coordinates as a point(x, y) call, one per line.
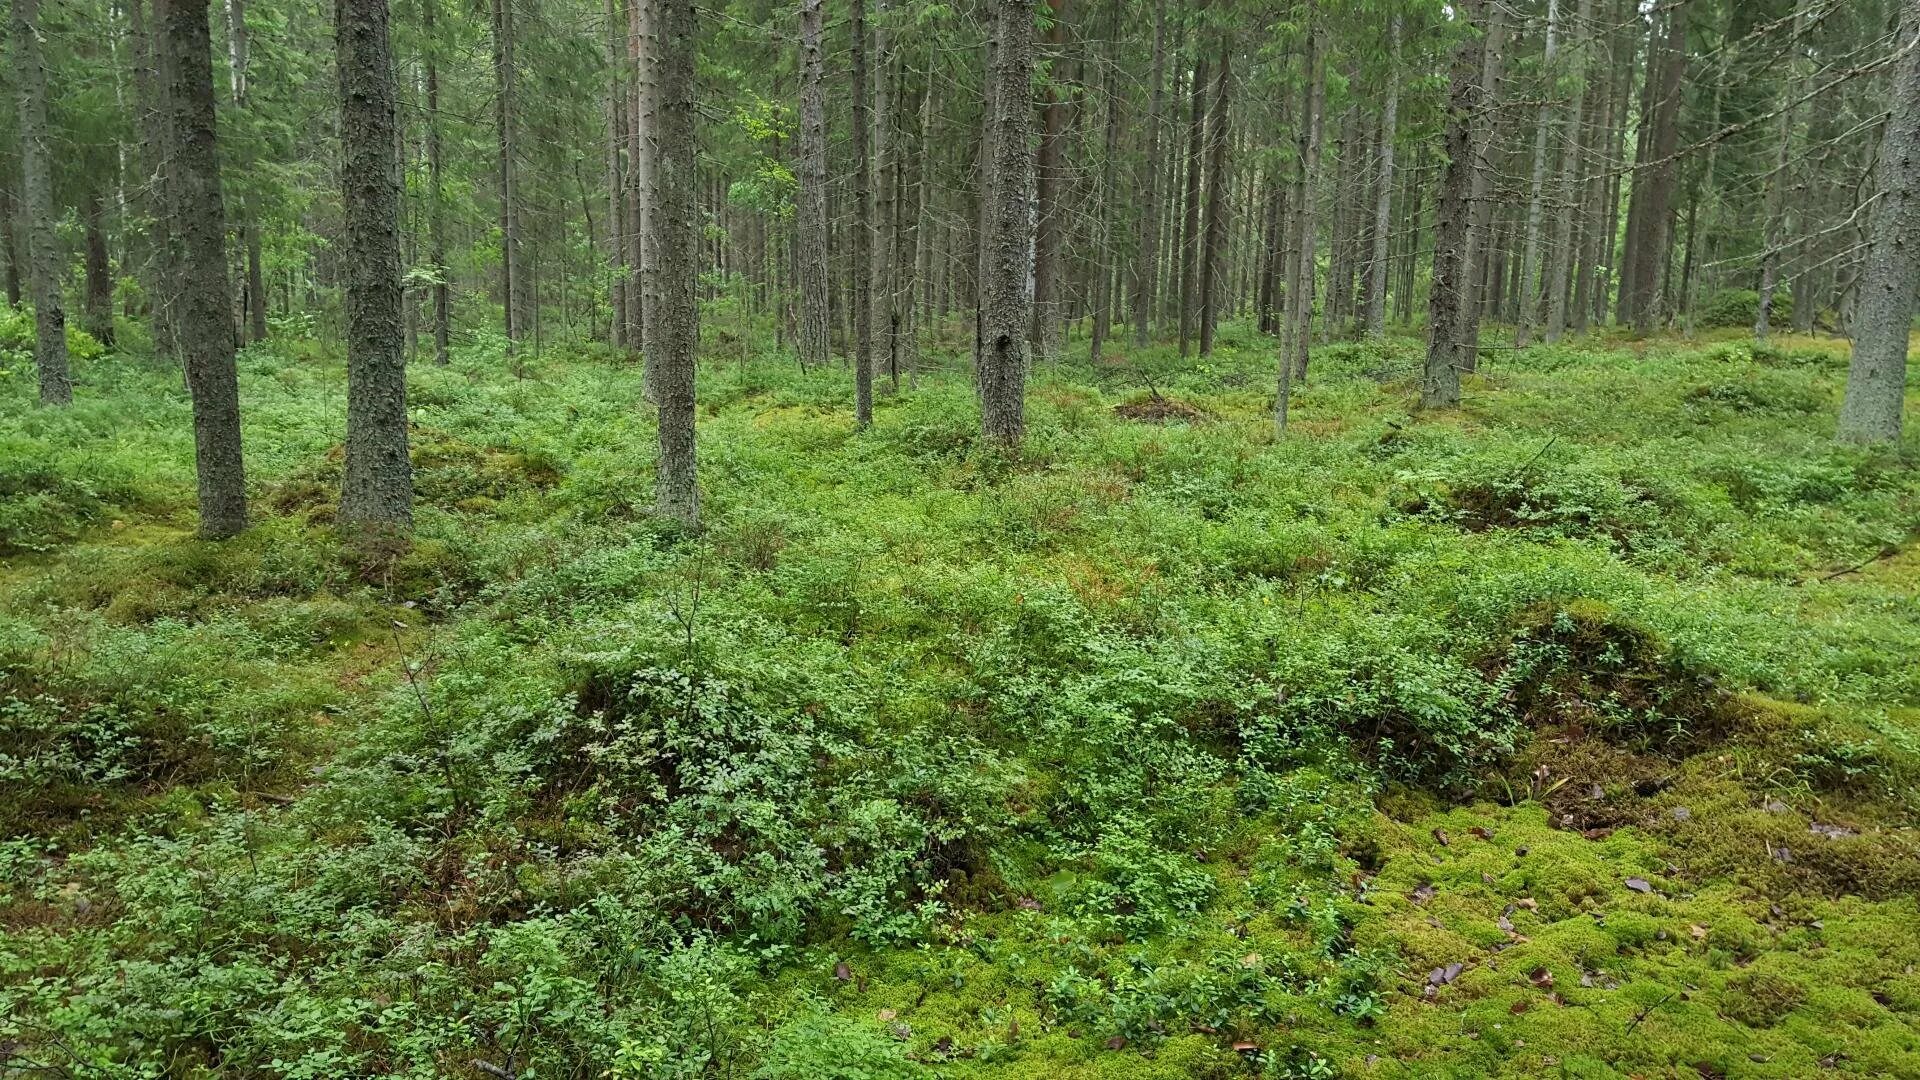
point(1574, 733)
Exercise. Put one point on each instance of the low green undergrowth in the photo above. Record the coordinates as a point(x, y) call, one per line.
point(1573, 730)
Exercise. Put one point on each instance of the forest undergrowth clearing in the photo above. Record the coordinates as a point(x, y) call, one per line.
point(1542, 736)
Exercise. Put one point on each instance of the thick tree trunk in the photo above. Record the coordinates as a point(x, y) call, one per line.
point(812, 215)
point(377, 491)
point(1450, 300)
point(1146, 267)
point(675, 248)
point(203, 308)
point(1383, 191)
point(1006, 305)
point(1214, 241)
point(44, 253)
point(1882, 322)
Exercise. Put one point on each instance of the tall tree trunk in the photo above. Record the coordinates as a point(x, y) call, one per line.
point(642, 51)
point(1213, 243)
point(1105, 265)
point(1882, 322)
point(1300, 293)
point(377, 490)
point(618, 127)
point(204, 307)
point(513, 273)
point(436, 193)
point(1486, 261)
point(1297, 328)
point(813, 190)
point(1049, 225)
point(675, 246)
point(44, 255)
point(1383, 191)
point(253, 293)
point(1650, 236)
point(1450, 298)
point(1190, 191)
point(1146, 261)
point(1006, 305)
point(866, 274)
point(1567, 211)
point(1775, 235)
point(1537, 190)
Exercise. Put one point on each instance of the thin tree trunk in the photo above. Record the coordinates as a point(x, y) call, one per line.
point(1882, 322)
point(1190, 192)
point(436, 194)
point(1775, 234)
point(9, 243)
point(1383, 194)
point(1146, 262)
point(378, 487)
point(1213, 242)
point(617, 129)
point(1046, 331)
point(1105, 266)
point(867, 276)
point(1485, 259)
point(1537, 191)
point(204, 307)
point(514, 277)
point(44, 253)
point(1650, 236)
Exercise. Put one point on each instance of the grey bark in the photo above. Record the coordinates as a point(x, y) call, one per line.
point(1383, 191)
point(377, 491)
point(1537, 190)
point(254, 293)
point(436, 193)
point(1566, 214)
point(812, 223)
point(676, 324)
point(869, 275)
point(203, 310)
point(1048, 186)
point(1006, 305)
point(513, 279)
point(1146, 263)
point(1449, 299)
point(44, 254)
point(1882, 321)
point(1213, 240)
point(1190, 192)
